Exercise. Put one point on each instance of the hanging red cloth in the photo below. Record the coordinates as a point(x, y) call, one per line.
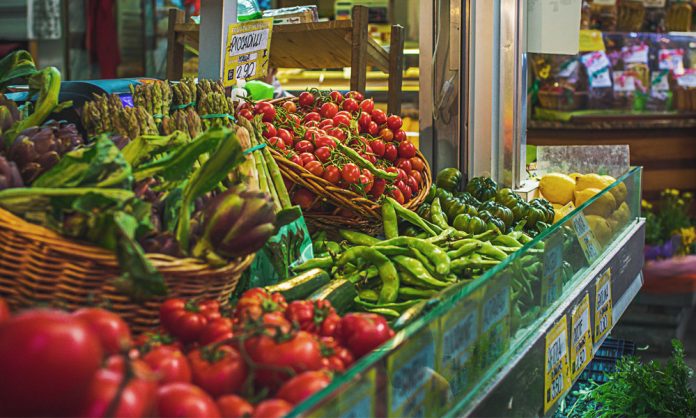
point(102, 36)
point(196, 4)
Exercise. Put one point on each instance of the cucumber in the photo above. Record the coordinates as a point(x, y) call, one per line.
point(302, 285)
point(339, 292)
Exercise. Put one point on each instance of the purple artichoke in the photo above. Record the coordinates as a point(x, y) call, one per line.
point(9, 175)
point(37, 149)
point(9, 113)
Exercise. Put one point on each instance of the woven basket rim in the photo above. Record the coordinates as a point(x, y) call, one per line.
point(77, 249)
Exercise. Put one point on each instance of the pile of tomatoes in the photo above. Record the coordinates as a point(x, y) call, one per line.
point(305, 132)
point(259, 360)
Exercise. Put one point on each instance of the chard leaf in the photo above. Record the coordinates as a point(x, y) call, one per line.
point(144, 146)
point(99, 165)
point(18, 64)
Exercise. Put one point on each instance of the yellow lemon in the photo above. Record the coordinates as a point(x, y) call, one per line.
point(603, 206)
point(619, 191)
point(601, 228)
point(557, 188)
point(621, 215)
point(591, 181)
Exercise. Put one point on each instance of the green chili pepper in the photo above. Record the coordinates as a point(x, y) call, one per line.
point(419, 272)
point(392, 250)
point(446, 233)
point(389, 313)
point(464, 249)
point(333, 247)
point(414, 293)
point(435, 254)
point(397, 306)
point(424, 260)
point(357, 238)
point(353, 155)
point(324, 263)
point(368, 295)
point(391, 227)
point(472, 262)
point(437, 216)
point(413, 218)
point(491, 251)
point(506, 240)
point(432, 192)
point(387, 271)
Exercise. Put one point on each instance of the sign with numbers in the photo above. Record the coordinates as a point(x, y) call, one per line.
point(552, 278)
point(553, 26)
point(456, 349)
point(495, 320)
point(603, 305)
point(247, 51)
point(556, 373)
point(580, 337)
point(410, 370)
point(589, 244)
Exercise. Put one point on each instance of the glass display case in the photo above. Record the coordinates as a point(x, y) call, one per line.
point(511, 341)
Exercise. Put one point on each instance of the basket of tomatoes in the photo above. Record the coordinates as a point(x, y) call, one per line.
point(341, 156)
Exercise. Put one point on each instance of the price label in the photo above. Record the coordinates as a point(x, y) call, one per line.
point(591, 40)
point(671, 59)
point(556, 373)
point(580, 337)
point(635, 54)
point(409, 370)
point(688, 79)
point(603, 305)
point(654, 3)
point(459, 332)
point(589, 244)
point(247, 50)
point(598, 68)
point(659, 80)
point(357, 400)
point(495, 321)
point(552, 280)
point(624, 82)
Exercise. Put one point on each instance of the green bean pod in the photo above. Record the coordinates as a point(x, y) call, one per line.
point(437, 216)
point(397, 306)
point(368, 295)
point(464, 250)
point(391, 226)
point(415, 293)
point(436, 255)
point(357, 238)
point(418, 271)
point(413, 218)
point(387, 271)
point(324, 263)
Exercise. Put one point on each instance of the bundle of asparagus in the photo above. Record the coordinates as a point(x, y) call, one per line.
point(215, 110)
point(155, 97)
point(97, 115)
point(184, 94)
point(184, 120)
point(209, 86)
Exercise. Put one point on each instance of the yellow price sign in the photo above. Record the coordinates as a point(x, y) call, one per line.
point(556, 372)
point(603, 305)
point(580, 337)
point(591, 40)
point(248, 50)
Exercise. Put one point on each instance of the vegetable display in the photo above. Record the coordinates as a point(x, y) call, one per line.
point(262, 357)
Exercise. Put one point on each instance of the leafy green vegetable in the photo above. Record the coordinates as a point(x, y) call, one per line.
point(224, 159)
point(636, 389)
point(99, 165)
point(16, 65)
point(144, 146)
point(47, 84)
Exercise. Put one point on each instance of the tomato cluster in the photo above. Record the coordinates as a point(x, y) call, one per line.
point(306, 133)
point(259, 360)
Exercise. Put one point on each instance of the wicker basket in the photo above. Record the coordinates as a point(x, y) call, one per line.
point(39, 267)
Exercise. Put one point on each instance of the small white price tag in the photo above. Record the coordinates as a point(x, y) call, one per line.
point(671, 59)
point(624, 82)
point(598, 68)
point(659, 80)
point(637, 54)
point(688, 79)
point(581, 337)
point(603, 306)
point(556, 373)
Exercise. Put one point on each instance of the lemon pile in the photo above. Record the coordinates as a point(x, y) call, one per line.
point(606, 215)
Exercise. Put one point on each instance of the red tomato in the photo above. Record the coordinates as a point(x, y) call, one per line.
point(290, 106)
point(273, 323)
point(404, 164)
point(306, 99)
point(324, 141)
point(304, 146)
point(272, 408)
point(390, 152)
point(407, 149)
point(315, 168)
point(311, 134)
point(113, 332)
point(378, 188)
point(184, 400)
point(294, 120)
point(328, 110)
point(300, 353)
point(350, 173)
point(408, 193)
point(336, 96)
point(386, 134)
point(286, 136)
point(417, 164)
point(150, 340)
point(217, 330)
point(400, 135)
point(336, 357)
point(255, 302)
point(397, 195)
point(412, 184)
point(402, 175)
point(366, 183)
point(137, 398)
point(169, 364)
point(323, 154)
point(277, 142)
point(47, 361)
point(296, 159)
point(4, 310)
point(394, 122)
point(246, 113)
point(355, 95)
point(373, 128)
point(345, 113)
point(303, 386)
point(337, 133)
point(417, 176)
point(218, 370)
point(309, 315)
point(332, 174)
point(267, 111)
point(379, 116)
point(312, 116)
point(378, 147)
point(367, 105)
point(363, 332)
point(186, 320)
point(364, 121)
point(233, 406)
point(269, 130)
point(307, 157)
point(341, 120)
point(350, 105)
point(326, 124)
point(304, 198)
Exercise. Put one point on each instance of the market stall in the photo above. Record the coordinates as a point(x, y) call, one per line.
point(225, 255)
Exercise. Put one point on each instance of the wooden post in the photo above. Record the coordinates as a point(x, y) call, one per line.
point(396, 69)
point(175, 49)
point(358, 56)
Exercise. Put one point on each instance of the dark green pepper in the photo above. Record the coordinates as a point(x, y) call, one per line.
point(449, 179)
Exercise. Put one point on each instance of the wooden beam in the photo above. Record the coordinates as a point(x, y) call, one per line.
point(358, 56)
point(396, 69)
point(175, 50)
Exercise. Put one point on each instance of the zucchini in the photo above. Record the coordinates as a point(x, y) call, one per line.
point(302, 285)
point(339, 292)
